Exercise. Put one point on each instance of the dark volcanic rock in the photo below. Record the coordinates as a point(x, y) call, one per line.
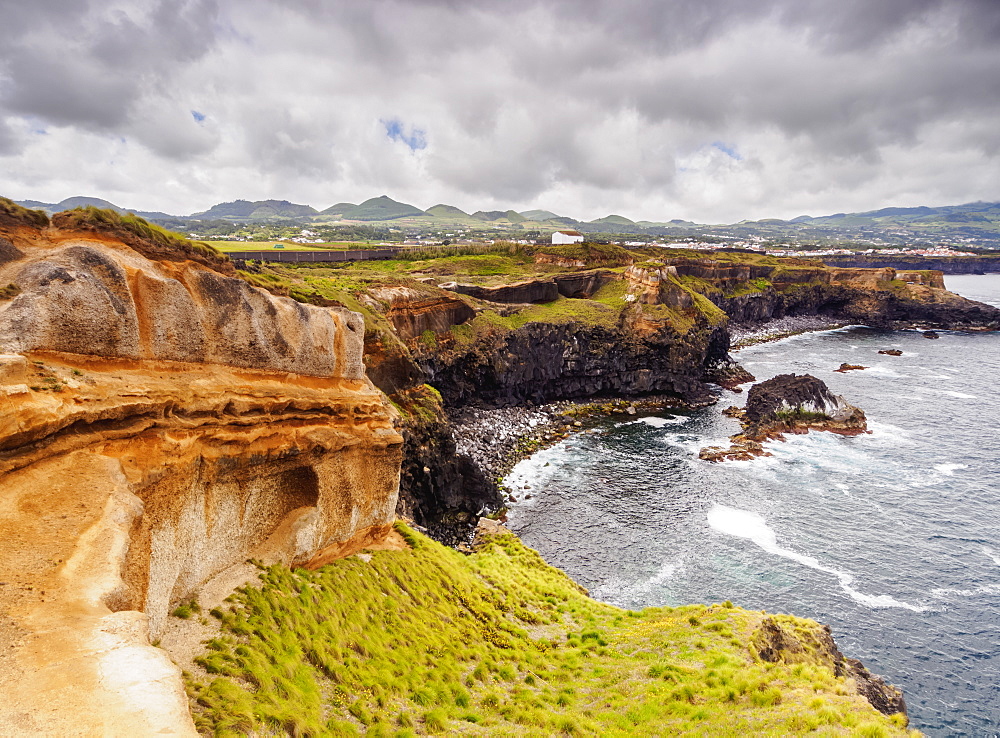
point(881, 695)
point(891, 352)
point(440, 488)
point(786, 404)
point(847, 304)
point(541, 362)
point(791, 393)
point(533, 290)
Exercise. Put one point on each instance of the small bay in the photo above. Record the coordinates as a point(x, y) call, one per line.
point(892, 538)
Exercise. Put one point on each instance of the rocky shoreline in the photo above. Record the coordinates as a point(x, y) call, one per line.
point(742, 336)
point(496, 439)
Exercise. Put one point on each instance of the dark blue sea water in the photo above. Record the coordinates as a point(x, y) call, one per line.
point(893, 538)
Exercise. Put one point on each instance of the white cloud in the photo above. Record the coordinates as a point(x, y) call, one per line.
point(585, 108)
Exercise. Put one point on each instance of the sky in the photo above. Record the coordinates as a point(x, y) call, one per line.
point(707, 110)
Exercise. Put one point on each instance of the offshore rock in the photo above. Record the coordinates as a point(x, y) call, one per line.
point(786, 404)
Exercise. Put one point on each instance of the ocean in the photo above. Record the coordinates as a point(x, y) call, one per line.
point(892, 538)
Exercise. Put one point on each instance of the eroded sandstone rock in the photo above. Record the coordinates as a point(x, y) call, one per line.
point(161, 422)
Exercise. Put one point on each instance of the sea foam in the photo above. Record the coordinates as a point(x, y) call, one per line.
point(749, 525)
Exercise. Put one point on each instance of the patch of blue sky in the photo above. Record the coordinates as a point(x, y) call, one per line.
point(415, 139)
point(199, 117)
point(728, 149)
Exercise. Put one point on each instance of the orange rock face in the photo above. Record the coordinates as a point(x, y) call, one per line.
point(160, 423)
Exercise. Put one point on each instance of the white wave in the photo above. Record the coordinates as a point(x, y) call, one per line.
point(658, 422)
point(884, 371)
point(743, 524)
point(992, 554)
point(949, 469)
point(620, 591)
point(945, 593)
point(949, 393)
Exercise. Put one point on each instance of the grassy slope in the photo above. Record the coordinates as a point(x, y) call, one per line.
point(498, 643)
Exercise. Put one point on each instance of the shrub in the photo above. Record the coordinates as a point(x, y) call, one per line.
point(11, 211)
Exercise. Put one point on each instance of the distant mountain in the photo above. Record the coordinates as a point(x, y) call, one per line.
point(614, 220)
point(258, 210)
point(71, 202)
point(81, 202)
point(561, 221)
point(381, 208)
point(538, 215)
point(970, 223)
point(447, 211)
point(494, 215)
point(339, 209)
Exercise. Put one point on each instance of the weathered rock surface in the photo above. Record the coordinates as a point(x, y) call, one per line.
point(411, 312)
point(160, 423)
point(787, 403)
point(775, 643)
point(531, 290)
point(103, 299)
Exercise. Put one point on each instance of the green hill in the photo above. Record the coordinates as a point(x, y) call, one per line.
point(339, 209)
point(259, 210)
point(538, 214)
point(381, 208)
point(447, 211)
point(494, 215)
point(614, 220)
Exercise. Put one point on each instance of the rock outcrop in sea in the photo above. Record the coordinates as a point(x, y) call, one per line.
point(788, 403)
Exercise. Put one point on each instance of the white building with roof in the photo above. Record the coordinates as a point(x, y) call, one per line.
point(560, 237)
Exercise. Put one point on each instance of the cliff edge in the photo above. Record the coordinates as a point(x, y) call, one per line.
point(162, 422)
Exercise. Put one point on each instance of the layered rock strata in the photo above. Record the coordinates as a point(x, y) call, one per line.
point(162, 422)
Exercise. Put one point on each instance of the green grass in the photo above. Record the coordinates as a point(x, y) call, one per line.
point(114, 223)
point(497, 643)
point(595, 254)
point(10, 209)
point(228, 246)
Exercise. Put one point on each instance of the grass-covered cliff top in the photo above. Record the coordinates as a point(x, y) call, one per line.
point(148, 238)
point(12, 214)
point(431, 641)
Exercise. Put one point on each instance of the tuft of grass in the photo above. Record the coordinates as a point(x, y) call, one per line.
point(139, 232)
point(429, 640)
point(186, 609)
point(9, 292)
point(10, 210)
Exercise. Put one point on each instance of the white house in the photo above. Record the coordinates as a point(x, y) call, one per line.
point(567, 237)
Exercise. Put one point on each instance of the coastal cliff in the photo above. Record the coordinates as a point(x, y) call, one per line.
point(174, 431)
point(943, 264)
point(163, 421)
point(524, 327)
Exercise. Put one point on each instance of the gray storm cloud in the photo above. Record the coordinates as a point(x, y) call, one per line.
point(711, 110)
